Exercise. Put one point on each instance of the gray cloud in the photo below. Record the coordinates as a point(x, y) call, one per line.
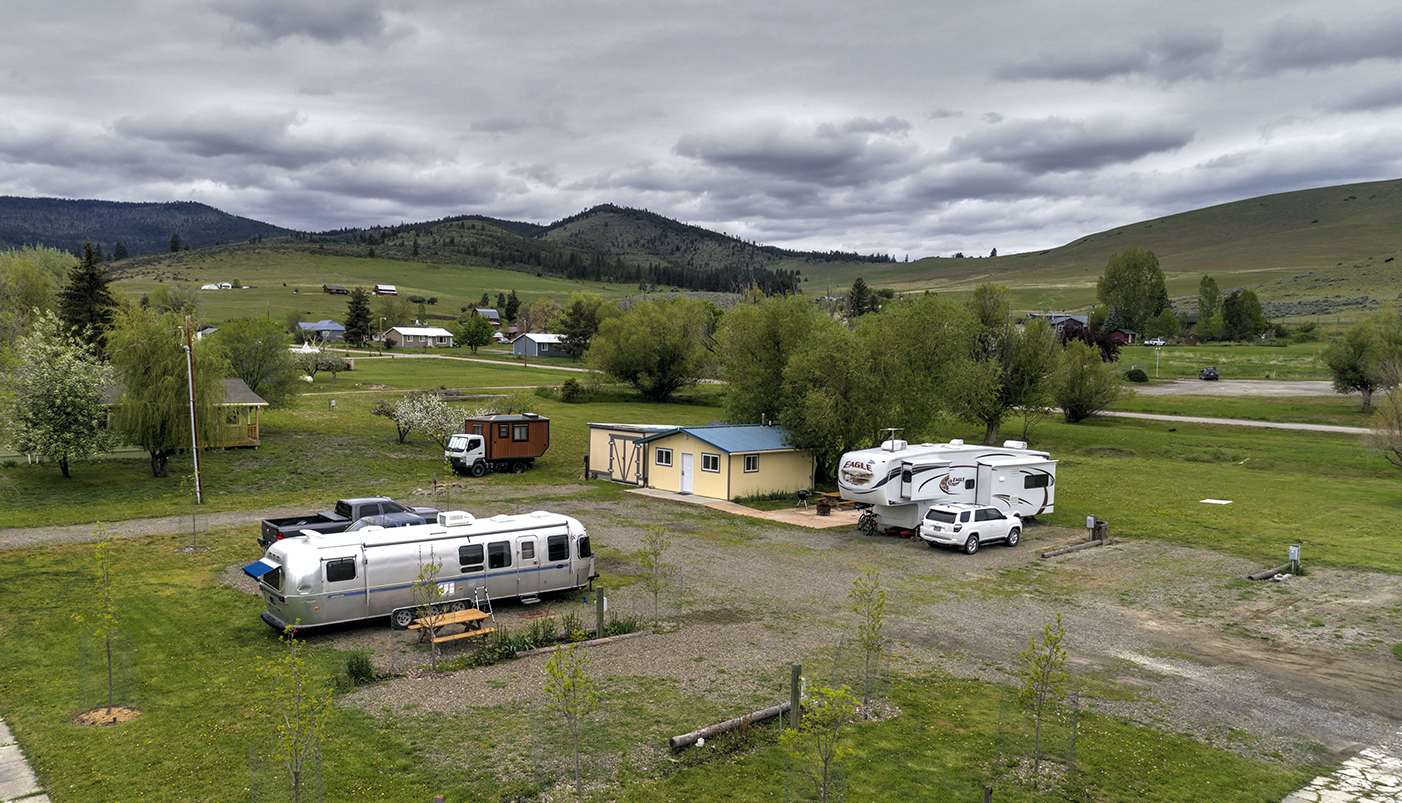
point(1383, 98)
point(1292, 42)
point(327, 21)
point(852, 152)
point(1058, 145)
point(1171, 56)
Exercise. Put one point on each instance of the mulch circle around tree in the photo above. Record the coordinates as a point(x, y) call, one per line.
point(105, 716)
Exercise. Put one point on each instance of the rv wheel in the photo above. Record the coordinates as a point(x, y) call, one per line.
point(478, 469)
point(1013, 535)
point(401, 619)
point(454, 607)
point(518, 467)
point(971, 545)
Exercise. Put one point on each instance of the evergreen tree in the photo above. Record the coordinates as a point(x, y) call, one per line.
point(513, 306)
point(486, 301)
point(119, 251)
point(174, 243)
point(860, 299)
point(86, 303)
point(358, 317)
point(501, 303)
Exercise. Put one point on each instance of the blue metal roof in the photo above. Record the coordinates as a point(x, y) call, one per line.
point(733, 439)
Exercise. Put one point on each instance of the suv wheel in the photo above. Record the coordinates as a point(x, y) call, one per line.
point(971, 545)
point(1014, 535)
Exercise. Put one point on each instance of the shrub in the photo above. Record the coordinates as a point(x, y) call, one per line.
point(573, 626)
point(1136, 375)
point(359, 668)
point(618, 625)
point(545, 392)
point(571, 390)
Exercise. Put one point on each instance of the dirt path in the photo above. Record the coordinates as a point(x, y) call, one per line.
point(1237, 387)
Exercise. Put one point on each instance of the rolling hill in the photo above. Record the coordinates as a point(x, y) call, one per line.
point(143, 228)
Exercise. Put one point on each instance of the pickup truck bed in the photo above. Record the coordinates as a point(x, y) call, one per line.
point(347, 512)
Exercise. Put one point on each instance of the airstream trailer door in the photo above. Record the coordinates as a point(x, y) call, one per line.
point(344, 581)
point(528, 570)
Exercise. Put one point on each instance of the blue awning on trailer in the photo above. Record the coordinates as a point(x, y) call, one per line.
point(258, 568)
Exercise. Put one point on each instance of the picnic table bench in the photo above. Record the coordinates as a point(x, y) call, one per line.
point(471, 619)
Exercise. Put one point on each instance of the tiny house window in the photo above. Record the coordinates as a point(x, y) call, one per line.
point(751, 463)
point(476, 429)
point(557, 547)
point(520, 433)
point(664, 457)
point(340, 570)
point(1036, 481)
point(470, 557)
point(710, 462)
point(503, 430)
point(499, 555)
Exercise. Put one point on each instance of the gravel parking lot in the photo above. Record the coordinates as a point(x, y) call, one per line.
point(1174, 638)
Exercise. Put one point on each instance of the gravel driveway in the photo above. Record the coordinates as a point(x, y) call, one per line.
point(1171, 637)
point(1236, 387)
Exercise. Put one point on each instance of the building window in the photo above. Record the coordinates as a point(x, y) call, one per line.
point(664, 457)
point(520, 433)
point(499, 555)
point(1036, 481)
point(503, 431)
point(340, 570)
point(710, 462)
point(751, 463)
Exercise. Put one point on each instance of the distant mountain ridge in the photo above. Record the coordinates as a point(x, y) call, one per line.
point(143, 228)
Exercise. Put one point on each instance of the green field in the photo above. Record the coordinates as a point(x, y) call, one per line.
point(1232, 361)
point(283, 279)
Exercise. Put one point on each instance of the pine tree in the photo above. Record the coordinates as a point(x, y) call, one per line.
point(86, 303)
point(174, 243)
point(513, 306)
point(358, 317)
point(119, 251)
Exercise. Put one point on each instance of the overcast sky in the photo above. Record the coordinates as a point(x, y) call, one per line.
point(918, 127)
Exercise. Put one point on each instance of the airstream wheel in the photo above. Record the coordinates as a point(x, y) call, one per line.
point(401, 619)
point(478, 469)
point(454, 607)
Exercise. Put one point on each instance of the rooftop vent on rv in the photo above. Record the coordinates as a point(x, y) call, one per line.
point(455, 518)
point(956, 442)
point(1014, 444)
point(893, 446)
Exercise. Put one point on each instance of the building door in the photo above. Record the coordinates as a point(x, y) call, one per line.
point(686, 472)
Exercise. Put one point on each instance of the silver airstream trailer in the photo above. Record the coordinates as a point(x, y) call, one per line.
point(321, 579)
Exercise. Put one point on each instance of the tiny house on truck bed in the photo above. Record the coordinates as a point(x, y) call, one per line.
point(499, 443)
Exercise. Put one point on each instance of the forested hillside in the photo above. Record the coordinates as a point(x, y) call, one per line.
point(141, 228)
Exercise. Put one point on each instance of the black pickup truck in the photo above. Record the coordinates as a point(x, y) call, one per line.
point(347, 512)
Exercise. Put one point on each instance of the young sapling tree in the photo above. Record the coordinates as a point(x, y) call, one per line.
point(655, 571)
point(815, 746)
point(1044, 679)
point(868, 601)
point(427, 594)
point(574, 695)
point(304, 703)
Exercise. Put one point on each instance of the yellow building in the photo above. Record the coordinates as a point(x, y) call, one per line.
point(724, 462)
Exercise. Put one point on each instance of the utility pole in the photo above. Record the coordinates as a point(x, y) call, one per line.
point(194, 421)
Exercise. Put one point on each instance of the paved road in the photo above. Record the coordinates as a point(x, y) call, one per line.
point(1237, 387)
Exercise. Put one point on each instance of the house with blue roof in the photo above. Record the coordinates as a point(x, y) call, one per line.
point(327, 330)
point(724, 462)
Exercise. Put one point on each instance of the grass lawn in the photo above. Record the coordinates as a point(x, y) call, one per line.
point(1336, 410)
point(1295, 361)
point(199, 654)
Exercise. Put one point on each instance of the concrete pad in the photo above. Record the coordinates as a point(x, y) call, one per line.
point(796, 516)
point(5, 737)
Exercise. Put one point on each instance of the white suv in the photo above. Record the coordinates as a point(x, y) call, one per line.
point(966, 526)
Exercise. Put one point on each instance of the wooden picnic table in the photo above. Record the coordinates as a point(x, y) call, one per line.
point(470, 618)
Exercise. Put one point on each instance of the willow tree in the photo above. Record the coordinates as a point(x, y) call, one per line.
point(153, 408)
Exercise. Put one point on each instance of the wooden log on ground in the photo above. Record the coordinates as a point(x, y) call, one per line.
point(728, 725)
point(1268, 573)
point(1084, 545)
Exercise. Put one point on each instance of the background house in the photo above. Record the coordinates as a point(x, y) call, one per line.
point(241, 412)
point(539, 345)
point(725, 462)
point(386, 290)
point(334, 289)
point(419, 336)
point(490, 314)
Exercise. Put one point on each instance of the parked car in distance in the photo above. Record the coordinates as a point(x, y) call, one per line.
point(1208, 373)
point(1156, 341)
point(967, 526)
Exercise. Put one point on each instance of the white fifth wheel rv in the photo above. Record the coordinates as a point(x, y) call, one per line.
point(320, 579)
point(903, 481)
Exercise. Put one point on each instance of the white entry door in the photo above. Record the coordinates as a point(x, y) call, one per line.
point(686, 472)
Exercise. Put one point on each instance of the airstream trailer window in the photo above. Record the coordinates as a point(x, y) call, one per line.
point(340, 569)
point(528, 550)
point(584, 550)
point(470, 557)
point(558, 547)
point(1036, 481)
point(499, 555)
point(273, 579)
